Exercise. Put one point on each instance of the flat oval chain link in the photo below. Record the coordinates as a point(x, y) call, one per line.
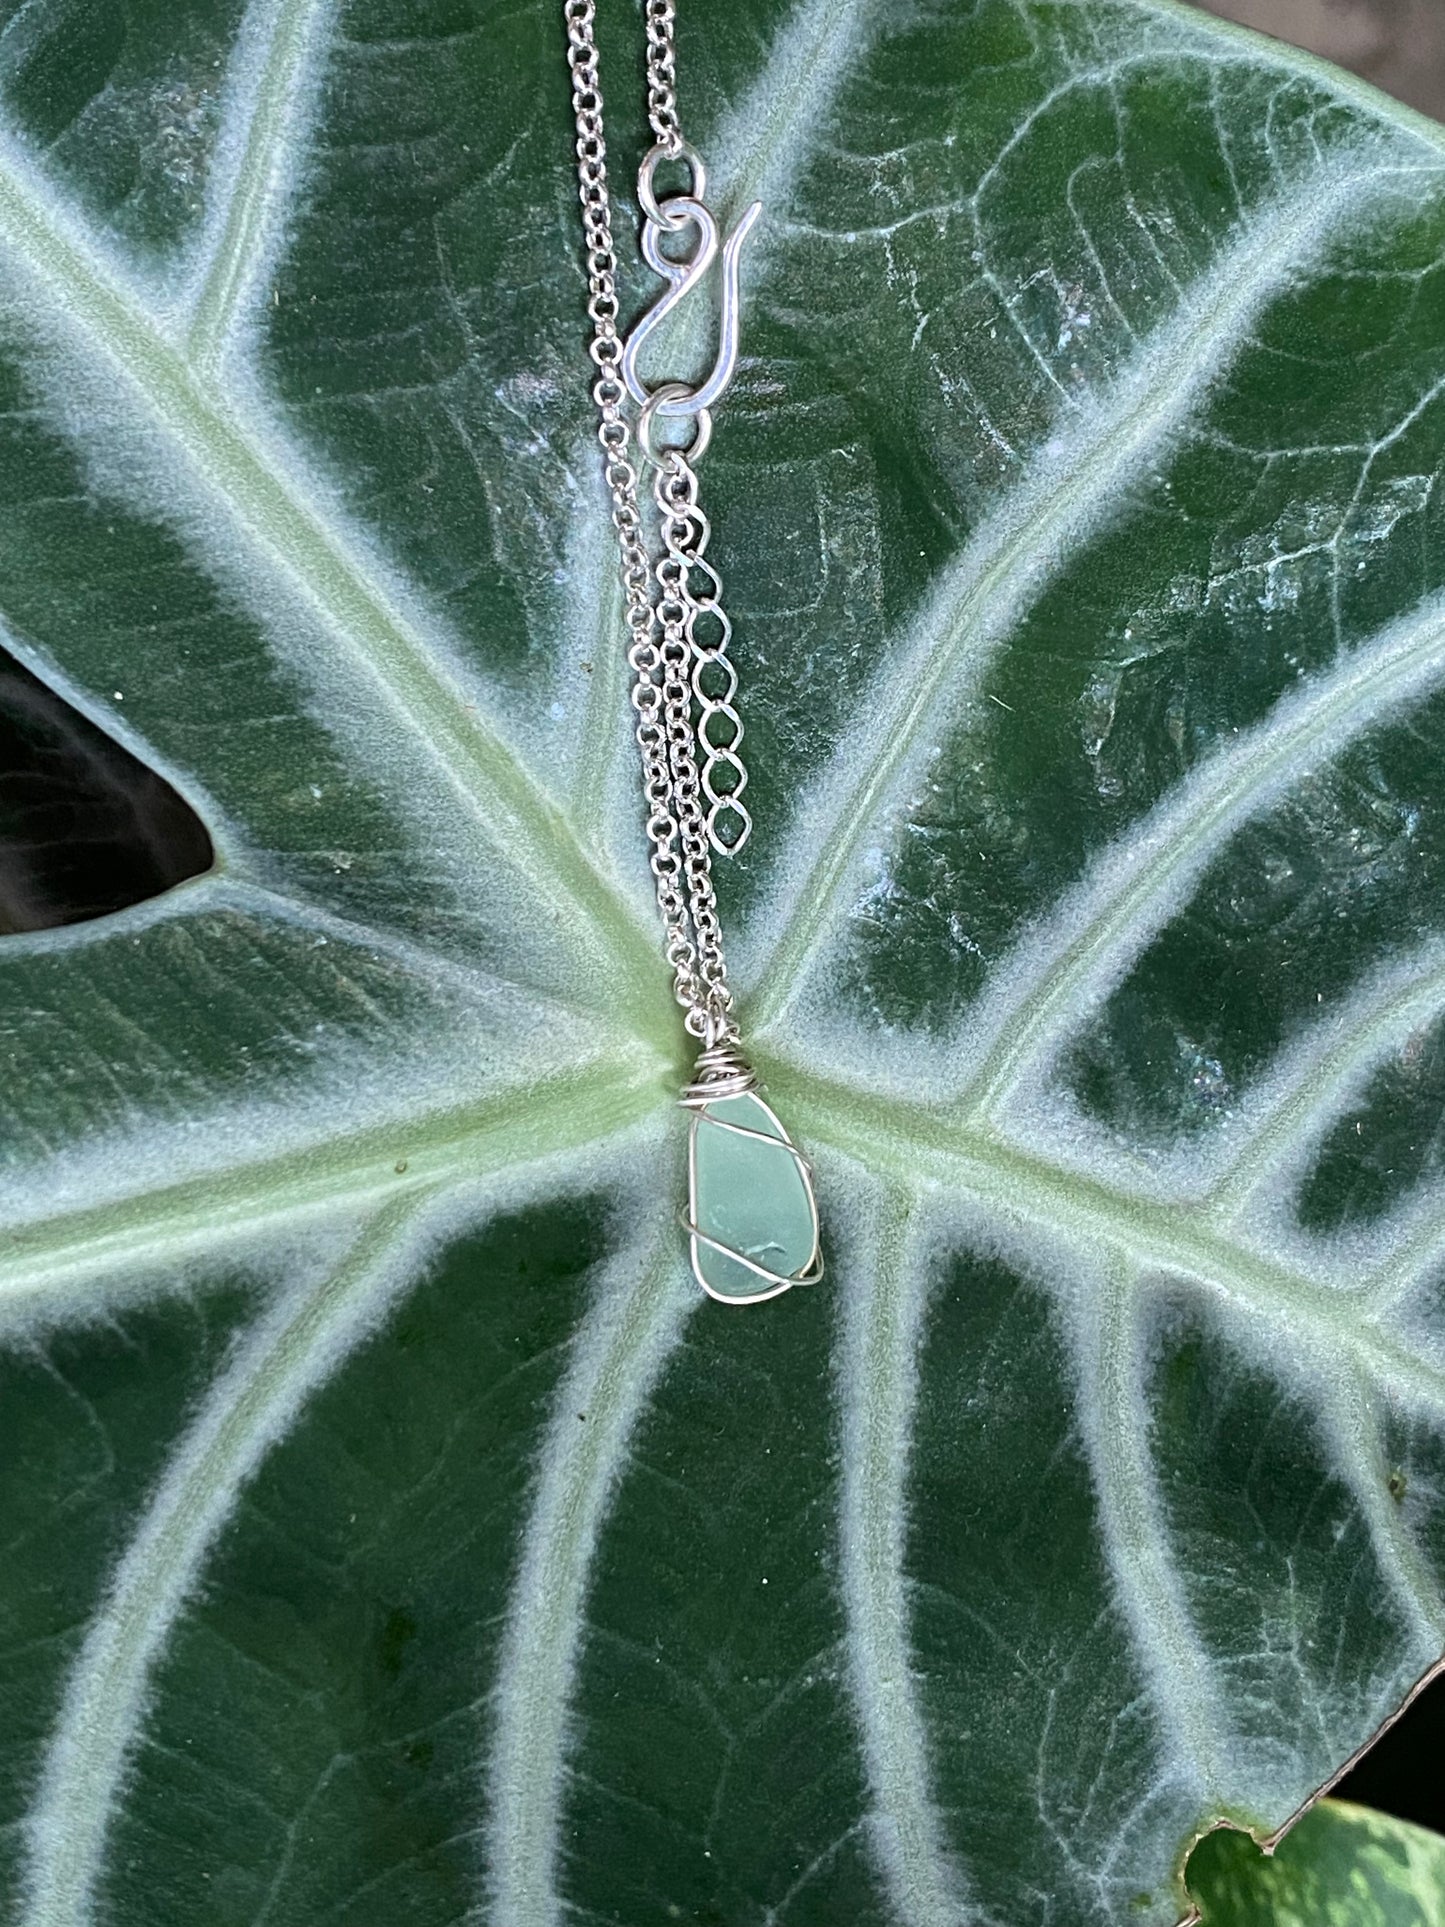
point(714, 679)
point(662, 690)
point(674, 489)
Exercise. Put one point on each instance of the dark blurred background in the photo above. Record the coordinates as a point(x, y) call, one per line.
point(85, 828)
point(1397, 44)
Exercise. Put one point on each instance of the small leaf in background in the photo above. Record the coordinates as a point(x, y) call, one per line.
point(1339, 1866)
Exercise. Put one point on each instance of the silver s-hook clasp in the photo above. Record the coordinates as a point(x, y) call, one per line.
point(671, 216)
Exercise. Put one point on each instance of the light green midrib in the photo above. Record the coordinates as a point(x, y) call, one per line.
point(918, 1147)
point(911, 1144)
point(877, 1389)
point(515, 812)
point(1397, 1272)
point(787, 961)
point(531, 1740)
point(360, 1170)
point(775, 147)
point(1397, 1552)
point(214, 314)
point(1127, 1500)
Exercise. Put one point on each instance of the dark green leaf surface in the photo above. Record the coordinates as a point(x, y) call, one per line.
point(1342, 1866)
point(390, 1534)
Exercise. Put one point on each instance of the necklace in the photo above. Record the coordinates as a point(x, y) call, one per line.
point(751, 1220)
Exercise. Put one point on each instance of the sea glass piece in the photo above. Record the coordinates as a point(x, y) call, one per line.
point(751, 1198)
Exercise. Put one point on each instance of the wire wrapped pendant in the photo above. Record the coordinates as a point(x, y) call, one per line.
point(752, 1218)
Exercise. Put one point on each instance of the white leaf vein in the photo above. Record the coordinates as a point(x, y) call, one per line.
point(1065, 967)
point(253, 1403)
point(272, 75)
point(882, 1326)
point(636, 1319)
point(246, 472)
point(1078, 481)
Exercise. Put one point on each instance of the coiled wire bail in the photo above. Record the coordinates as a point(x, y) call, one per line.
point(721, 1070)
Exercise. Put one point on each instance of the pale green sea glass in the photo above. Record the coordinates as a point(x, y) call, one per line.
point(751, 1195)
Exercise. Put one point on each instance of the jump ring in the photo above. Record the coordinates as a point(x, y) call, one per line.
point(647, 199)
point(702, 435)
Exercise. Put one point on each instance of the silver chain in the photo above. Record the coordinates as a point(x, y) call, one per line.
point(673, 664)
point(662, 76)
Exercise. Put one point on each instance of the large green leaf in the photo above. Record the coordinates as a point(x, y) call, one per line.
point(1342, 1866)
point(390, 1534)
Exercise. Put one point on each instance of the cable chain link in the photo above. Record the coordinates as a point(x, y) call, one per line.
point(662, 76)
point(662, 689)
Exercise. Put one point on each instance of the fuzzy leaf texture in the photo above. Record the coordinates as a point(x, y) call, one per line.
point(391, 1532)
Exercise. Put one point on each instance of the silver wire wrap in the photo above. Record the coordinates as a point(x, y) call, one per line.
point(682, 810)
point(721, 1072)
